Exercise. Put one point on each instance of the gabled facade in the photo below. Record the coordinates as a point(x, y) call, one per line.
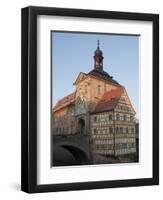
point(113, 127)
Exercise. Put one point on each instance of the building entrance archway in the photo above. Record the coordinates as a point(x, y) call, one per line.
point(81, 126)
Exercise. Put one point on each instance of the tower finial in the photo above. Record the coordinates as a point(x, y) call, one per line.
point(98, 44)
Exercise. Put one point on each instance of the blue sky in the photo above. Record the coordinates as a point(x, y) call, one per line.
point(73, 53)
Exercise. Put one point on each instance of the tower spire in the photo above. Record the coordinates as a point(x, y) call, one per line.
point(98, 57)
point(98, 44)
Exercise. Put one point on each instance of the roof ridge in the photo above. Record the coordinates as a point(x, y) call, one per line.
point(113, 90)
point(64, 101)
point(103, 75)
point(67, 96)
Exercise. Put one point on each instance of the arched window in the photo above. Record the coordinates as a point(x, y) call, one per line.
point(81, 126)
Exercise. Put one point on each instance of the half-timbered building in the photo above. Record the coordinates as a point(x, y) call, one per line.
point(100, 110)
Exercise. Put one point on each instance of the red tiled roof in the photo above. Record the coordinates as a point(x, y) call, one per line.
point(109, 100)
point(65, 101)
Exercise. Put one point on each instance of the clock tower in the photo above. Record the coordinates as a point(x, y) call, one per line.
point(98, 58)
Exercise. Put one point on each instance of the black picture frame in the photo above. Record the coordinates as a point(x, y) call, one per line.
point(29, 99)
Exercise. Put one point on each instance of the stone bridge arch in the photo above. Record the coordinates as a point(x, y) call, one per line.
point(73, 150)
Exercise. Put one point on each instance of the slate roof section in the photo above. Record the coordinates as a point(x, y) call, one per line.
point(103, 75)
point(109, 100)
point(67, 100)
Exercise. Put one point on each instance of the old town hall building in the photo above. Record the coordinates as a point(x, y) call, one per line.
point(100, 111)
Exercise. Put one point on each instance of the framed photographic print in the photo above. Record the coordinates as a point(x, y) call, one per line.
point(90, 99)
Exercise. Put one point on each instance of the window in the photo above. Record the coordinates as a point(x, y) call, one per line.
point(126, 129)
point(121, 129)
point(131, 118)
point(110, 117)
point(131, 145)
point(123, 145)
point(118, 117)
point(132, 130)
point(95, 119)
point(98, 90)
point(110, 130)
point(124, 117)
point(95, 131)
point(117, 130)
